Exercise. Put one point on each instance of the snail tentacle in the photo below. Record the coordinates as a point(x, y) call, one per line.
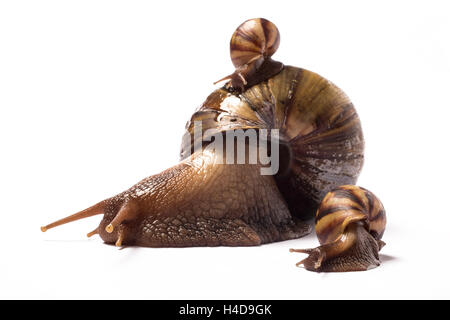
point(120, 235)
point(93, 232)
point(89, 212)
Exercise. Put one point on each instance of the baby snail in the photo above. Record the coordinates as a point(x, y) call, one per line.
point(350, 222)
point(207, 200)
point(251, 46)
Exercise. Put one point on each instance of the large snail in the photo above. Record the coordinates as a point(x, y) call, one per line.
point(204, 201)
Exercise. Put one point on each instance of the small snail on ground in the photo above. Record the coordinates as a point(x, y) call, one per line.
point(206, 201)
point(350, 222)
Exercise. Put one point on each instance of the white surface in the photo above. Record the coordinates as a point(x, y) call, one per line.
point(94, 96)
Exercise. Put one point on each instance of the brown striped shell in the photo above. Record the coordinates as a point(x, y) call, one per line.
point(253, 39)
point(346, 205)
point(320, 132)
point(251, 47)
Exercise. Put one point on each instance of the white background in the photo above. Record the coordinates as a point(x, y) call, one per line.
point(94, 96)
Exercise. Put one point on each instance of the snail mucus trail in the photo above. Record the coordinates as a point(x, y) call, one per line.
point(203, 201)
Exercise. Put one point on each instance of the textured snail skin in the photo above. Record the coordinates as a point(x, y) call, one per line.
point(202, 202)
point(350, 222)
point(197, 203)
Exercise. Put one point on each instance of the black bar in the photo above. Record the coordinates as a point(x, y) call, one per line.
point(222, 309)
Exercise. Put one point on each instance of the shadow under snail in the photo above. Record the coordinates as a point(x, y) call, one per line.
point(203, 202)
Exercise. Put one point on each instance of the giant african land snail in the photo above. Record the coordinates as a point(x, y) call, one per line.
point(205, 202)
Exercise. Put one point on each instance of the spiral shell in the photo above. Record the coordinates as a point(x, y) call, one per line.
point(346, 205)
point(318, 125)
point(253, 39)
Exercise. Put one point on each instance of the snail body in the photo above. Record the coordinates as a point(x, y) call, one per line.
point(350, 223)
point(204, 202)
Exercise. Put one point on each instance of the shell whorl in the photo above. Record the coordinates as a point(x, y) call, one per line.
point(253, 39)
point(346, 205)
point(316, 120)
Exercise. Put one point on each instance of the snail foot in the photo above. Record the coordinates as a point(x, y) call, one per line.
point(297, 230)
point(252, 73)
point(355, 250)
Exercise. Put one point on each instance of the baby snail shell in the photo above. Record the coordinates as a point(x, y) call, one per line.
point(350, 222)
point(203, 201)
point(251, 47)
point(254, 39)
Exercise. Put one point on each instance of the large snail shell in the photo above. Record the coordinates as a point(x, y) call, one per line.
point(253, 39)
point(319, 129)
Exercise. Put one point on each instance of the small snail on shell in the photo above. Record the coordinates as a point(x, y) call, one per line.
point(203, 202)
point(251, 47)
